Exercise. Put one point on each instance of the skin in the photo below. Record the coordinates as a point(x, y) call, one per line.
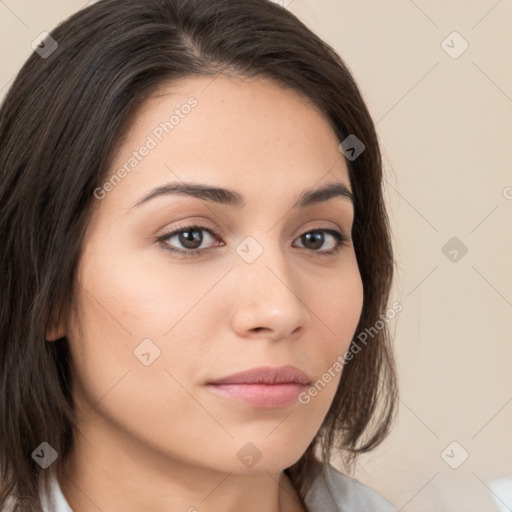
point(154, 437)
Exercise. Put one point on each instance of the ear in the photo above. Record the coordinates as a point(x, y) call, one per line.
point(54, 334)
point(55, 330)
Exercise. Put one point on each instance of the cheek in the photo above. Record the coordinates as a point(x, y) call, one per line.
point(132, 313)
point(141, 296)
point(125, 322)
point(137, 310)
point(338, 305)
point(335, 304)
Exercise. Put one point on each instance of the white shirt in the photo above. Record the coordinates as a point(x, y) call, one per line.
point(331, 491)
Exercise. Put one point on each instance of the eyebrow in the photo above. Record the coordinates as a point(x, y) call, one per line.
point(234, 199)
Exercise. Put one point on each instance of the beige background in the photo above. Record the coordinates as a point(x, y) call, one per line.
point(445, 128)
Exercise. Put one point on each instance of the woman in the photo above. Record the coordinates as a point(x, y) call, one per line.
point(193, 234)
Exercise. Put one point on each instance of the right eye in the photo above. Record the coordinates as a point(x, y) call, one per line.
point(189, 237)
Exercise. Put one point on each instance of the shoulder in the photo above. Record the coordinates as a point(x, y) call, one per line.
point(332, 490)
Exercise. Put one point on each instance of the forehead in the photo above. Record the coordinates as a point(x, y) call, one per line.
point(252, 135)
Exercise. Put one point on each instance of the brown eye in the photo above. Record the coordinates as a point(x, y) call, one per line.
point(189, 240)
point(315, 239)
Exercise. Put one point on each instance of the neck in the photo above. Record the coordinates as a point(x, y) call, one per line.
point(105, 472)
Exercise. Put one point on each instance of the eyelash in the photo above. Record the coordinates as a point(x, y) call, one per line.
point(341, 240)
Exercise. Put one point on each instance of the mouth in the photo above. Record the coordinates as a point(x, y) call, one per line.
point(263, 396)
point(263, 387)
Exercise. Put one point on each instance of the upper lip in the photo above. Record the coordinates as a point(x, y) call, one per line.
point(266, 375)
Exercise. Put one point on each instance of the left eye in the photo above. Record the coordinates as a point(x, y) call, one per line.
point(191, 238)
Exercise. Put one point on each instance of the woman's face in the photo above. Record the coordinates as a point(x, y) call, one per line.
point(154, 327)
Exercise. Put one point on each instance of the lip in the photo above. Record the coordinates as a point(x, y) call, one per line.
point(263, 387)
point(267, 375)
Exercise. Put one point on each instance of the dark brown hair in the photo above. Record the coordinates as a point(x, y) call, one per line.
point(59, 125)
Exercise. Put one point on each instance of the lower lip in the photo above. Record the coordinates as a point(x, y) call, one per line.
point(268, 396)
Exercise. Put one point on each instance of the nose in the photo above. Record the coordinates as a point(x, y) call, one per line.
point(268, 298)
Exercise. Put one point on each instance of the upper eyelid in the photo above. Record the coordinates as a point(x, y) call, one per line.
point(179, 229)
point(222, 232)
